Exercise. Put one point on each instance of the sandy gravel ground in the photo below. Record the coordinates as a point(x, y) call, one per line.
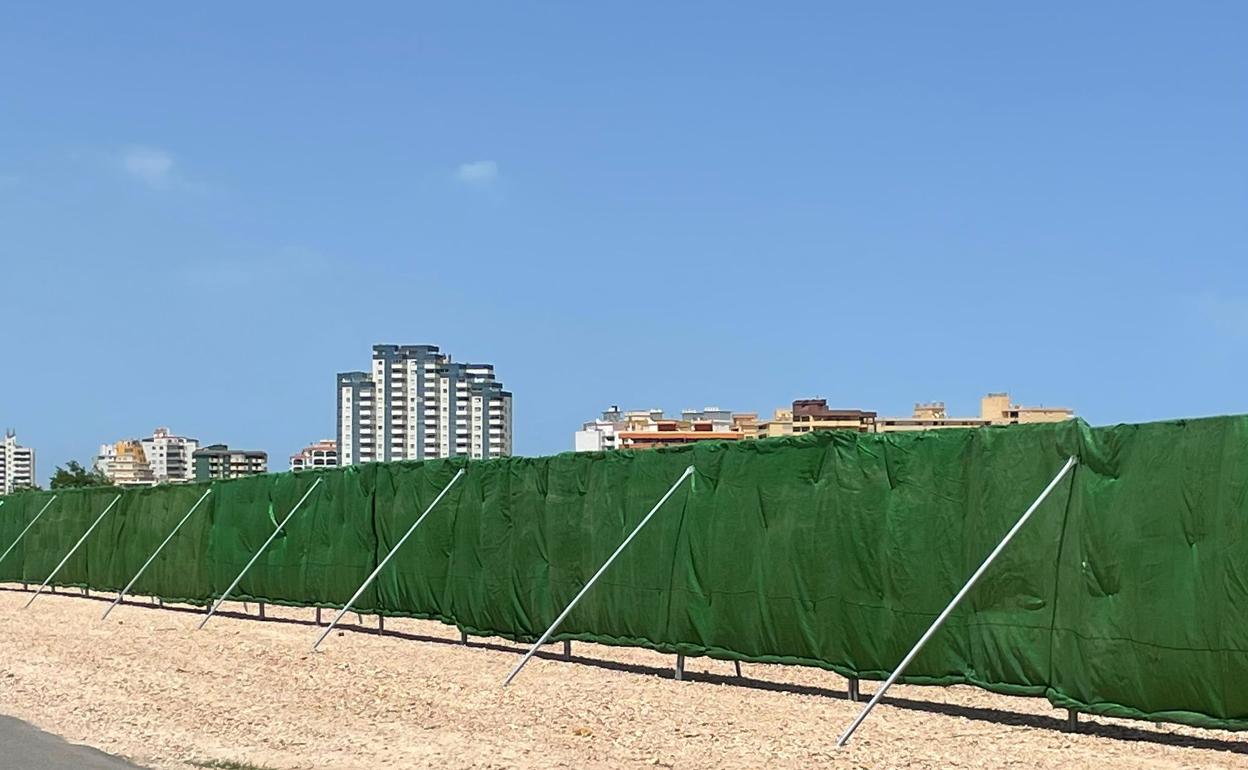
point(144, 685)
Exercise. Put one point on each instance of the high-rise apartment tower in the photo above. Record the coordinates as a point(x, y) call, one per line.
point(417, 404)
point(17, 465)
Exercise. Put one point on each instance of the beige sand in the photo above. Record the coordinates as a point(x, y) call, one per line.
point(146, 686)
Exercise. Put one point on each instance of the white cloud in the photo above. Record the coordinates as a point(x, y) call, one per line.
point(478, 173)
point(150, 165)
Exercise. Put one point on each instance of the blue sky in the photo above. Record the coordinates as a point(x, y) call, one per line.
point(206, 212)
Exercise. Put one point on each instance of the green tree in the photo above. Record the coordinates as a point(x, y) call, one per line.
point(74, 475)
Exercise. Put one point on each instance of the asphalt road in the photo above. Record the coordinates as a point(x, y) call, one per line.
point(23, 747)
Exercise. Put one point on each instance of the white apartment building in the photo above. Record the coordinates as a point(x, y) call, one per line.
point(17, 465)
point(168, 459)
point(322, 454)
point(417, 404)
point(170, 456)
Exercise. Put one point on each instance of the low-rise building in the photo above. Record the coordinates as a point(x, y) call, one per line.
point(218, 461)
point(994, 409)
point(17, 465)
point(322, 454)
point(649, 428)
point(617, 429)
point(674, 433)
point(811, 414)
point(604, 432)
point(780, 424)
point(125, 464)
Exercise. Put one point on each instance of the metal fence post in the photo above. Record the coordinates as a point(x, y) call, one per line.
point(537, 645)
point(122, 594)
point(81, 540)
point(23, 533)
point(901, 667)
point(212, 609)
point(393, 551)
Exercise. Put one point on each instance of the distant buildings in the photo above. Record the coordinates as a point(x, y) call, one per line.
point(417, 404)
point(125, 464)
point(994, 409)
point(17, 465)
point(160, 458)
point(604, 432)
point(163, 458)
point(650, 428)
point(322, 454)
point(646, 429)
point(218, 461)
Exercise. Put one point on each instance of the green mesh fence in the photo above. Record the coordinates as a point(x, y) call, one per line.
point(1126, 595)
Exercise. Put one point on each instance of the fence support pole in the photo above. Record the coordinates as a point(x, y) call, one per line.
point(122, 594)
point(367, 581)
point(81, 540)
point(852, 690)
point(901, 667)
point(537, 645)
point(680, 667)
point(23, 534)
point(213, 609)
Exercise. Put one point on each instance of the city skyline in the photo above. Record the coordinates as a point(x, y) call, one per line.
point(959, 211)
point(92, 459)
